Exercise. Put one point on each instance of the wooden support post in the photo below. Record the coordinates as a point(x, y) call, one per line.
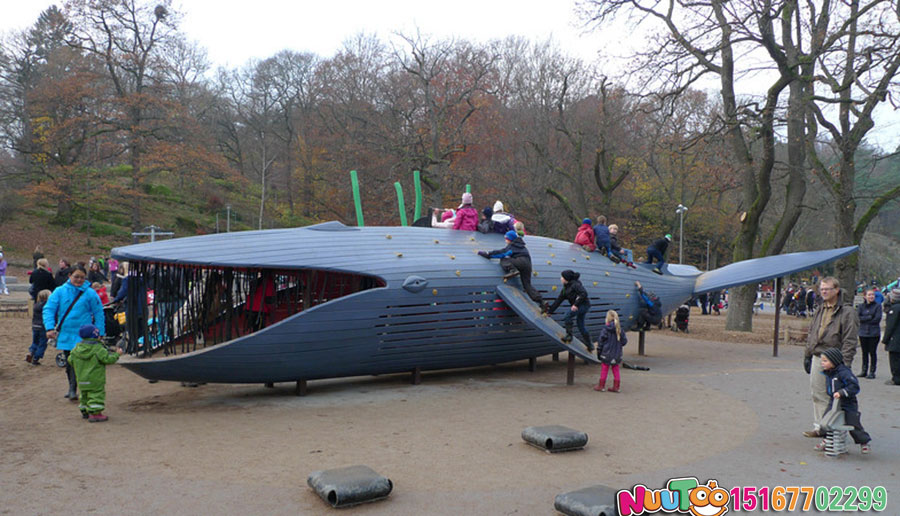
point(777, 316)
point(641, 344)
point(532, 364)
point(570, 370)
point(416, 376)
point(300, 388)
point(556, 357)
point(270, 385)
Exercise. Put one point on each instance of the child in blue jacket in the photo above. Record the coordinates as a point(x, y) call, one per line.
point(842, 385)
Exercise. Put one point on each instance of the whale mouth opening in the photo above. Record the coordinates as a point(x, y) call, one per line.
point(174, 308)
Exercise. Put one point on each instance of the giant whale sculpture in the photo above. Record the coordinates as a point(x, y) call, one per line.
point(330, 300)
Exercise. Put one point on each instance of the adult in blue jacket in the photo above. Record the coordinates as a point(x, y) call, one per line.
point(869, 332)
point(86, 308)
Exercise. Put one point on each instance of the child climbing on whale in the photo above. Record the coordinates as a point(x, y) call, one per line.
point(516, 261)
point(578, 297)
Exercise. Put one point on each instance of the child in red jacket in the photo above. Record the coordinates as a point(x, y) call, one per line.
point(585, 236)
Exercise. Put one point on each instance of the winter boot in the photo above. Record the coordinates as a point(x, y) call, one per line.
point(568, 337)
point(73, 384)
point(601, 385)
point(97, 418)
point(28, 358)
point(84, 414)
point(615, 387)
point(511, 273)
point(588, 344)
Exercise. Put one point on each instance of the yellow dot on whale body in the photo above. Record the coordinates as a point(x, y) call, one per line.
point(549, 262)
point(607, 273)
point(434, 292)
point(387, 236)
point(595, 283)
point(399, 255)
point(631, 317)
point(553, 288)
point(627, 295)
point(452, 257)
point(549, 245)
point(573, 260)
point(437, 241)
point(552, 255)
point(534, 273)
point(471, 239)
point(458, 273)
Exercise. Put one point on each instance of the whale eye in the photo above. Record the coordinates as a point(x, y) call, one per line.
point(415, 284)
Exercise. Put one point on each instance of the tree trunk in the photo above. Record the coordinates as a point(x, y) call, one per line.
point(740, 304)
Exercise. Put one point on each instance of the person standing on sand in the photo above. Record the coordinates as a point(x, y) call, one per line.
point(70, 307)
point(891, 337)
point(834, 325)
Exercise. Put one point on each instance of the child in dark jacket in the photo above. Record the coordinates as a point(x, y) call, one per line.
point(89, 359)
point(609, 350)
point(38, 333)
point(516, 261)
point(577, 296)
point(842, 385)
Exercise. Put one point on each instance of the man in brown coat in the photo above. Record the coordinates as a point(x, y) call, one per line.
point(834, 325)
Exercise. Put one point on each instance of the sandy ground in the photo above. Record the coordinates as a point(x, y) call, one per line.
point(451, 445)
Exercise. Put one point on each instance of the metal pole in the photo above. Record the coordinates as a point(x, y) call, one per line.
point(262, 196)
point(680, 211)
point(217, 222)
point(153, 233)
point(707, 255)
point(228, 218)
point(777, 316)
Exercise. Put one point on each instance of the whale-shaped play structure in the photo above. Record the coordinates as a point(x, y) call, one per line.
point(330, 300)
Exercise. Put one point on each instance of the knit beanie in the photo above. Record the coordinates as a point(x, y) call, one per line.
point(586, 221)
point(467, 198)
point(895, 295)
point(669, 237)
point(834, 356)
point(511, 235)
point(89, 331)
point(570, 275)
point(498, 206)
point(487, 212)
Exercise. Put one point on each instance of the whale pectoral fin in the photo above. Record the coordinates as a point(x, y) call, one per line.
point(530, 312)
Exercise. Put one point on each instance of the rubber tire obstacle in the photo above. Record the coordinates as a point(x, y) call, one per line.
point(352, 485)
point(554, 438)
point(590, 501)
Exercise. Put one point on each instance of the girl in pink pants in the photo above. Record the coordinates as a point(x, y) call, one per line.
point(609, 350)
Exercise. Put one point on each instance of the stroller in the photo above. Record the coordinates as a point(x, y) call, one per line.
point(682, 315)
point(113, 332)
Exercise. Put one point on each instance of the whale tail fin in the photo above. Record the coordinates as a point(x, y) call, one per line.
point(766, 268)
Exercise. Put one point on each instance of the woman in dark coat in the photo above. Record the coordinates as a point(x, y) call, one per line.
point(891, 338)
point(869, 332)
point(41, 278)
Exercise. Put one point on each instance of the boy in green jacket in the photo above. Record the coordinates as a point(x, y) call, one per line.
point(89, 359)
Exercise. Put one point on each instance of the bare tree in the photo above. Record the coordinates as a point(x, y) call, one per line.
point(704, 38)
point(127, 38)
